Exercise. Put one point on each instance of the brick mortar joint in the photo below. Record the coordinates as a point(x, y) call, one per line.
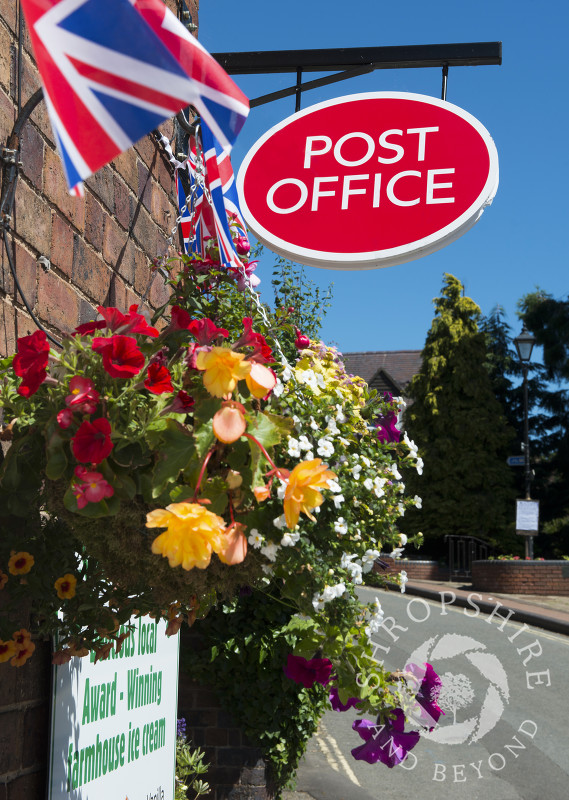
point(9, 777)
point(24, 705)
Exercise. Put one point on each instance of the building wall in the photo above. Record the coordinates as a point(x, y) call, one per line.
point(99, 248)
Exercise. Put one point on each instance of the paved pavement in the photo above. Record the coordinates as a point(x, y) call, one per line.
point(550, 612)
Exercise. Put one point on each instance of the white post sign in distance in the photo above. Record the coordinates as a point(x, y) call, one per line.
point(114, 722)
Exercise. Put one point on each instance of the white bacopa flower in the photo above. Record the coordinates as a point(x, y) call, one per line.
point(396, 552)
point(418, 501)
point(338, 499)
point(280, 522)
point(368, 483)
point(375, 619)
point(332, 428)
point(270, 551)
point(343, 442)
point(286, 374)
point(293, 447)
point(340, 416)
point(278, 389)
point(281, 489)
point(333, 485)
point(368, 559)
point(304, 443)
point(309, 456)
point(340, 526)
point(419, 465)
point(332, 592)
point(403, 539)
point(395, 472)
point(297, 423)
point(366, 461)
point(308, 377)
point(255, 539)
point(320, 380)
point(318, 601)
point(410, 444)
point(403, 580)
point(268, 569)
point(325, 448)
point(356, 472)
point(355, 502)
point(290, 539)
point(313, 424)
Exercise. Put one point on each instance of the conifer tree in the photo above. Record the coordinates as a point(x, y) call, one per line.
point(459, 427)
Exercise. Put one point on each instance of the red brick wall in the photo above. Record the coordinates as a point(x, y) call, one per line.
point(100, 246)
point(521, 577)
point(416, 570)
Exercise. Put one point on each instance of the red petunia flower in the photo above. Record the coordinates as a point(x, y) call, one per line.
point(83, 396)
point(117, 322)
point(92, 442)
point(180, 320)
point(262, 353)
point(30, 362)
point(121, 356)
point(158, 380)
point(181, 404)
point(206, 331)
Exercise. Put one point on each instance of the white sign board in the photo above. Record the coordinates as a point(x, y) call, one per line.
point(113, 732)
point(527, 516)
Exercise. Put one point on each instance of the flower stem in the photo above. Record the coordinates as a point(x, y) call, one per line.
point(202, 470)
point(267, 456)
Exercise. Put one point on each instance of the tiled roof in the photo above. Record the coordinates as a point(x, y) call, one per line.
point(384, 370)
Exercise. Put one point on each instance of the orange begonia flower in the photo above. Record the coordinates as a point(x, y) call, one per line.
point(23, 652)
point(260, 380)
point(261, 493)
point(65, 587)
point(20, 563)
point(7, 650)
point(223, 368)
point(192, 534)
point(229, 423)
point(301, 493)
point(236, 545)
point(21, 637)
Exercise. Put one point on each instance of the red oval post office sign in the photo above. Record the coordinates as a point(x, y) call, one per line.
point(368, 180)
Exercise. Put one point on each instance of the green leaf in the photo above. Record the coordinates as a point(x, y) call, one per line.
point(176, 449)
point(204, 439)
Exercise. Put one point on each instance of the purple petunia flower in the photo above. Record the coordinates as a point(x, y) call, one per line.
point(308, 672)
point(337, 704)
point(426, 684)
point(387, 743)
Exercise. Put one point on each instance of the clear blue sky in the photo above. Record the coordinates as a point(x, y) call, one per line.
point(520, 241)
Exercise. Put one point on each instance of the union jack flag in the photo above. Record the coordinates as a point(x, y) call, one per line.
point(213, 203)
point(112, 70)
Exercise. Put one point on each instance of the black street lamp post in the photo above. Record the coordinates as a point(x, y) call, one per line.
point(524, 345)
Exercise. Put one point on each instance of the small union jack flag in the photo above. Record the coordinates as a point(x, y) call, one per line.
point(213, 204)
point(112, 70)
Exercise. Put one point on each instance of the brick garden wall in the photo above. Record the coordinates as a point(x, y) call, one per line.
point(521, 577)
point(416, 570)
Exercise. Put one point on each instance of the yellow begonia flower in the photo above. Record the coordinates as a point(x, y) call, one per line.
point(223, 368)
point(20, 563)
point(192, 534)
point(302, 493)
point(65, 587)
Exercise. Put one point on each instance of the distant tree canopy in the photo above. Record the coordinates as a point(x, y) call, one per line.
point(548, 319)
point(461, 431)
